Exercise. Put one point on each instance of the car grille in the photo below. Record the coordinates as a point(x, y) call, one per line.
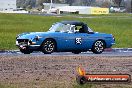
point(23, 42)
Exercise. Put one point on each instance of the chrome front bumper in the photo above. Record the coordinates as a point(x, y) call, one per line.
point(24, 44)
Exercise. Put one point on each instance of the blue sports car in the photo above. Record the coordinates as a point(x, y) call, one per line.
point(65, 36)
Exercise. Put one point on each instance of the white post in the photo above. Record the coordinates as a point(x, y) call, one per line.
point(51, 4)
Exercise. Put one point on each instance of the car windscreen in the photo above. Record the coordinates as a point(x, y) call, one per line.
point(59, 27)
point(90, 30)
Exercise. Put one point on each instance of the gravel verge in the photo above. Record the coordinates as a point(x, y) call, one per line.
point(29, 71)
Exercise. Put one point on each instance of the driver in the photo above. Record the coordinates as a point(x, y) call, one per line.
point(84, 29)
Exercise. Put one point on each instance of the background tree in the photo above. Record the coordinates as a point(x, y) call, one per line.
point(117, 2)
point(106, 4)
point(88, 2)
point(26, 3)
point(128, 5)
point(70, 2)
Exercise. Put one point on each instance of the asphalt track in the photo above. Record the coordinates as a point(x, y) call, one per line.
point(106, 53)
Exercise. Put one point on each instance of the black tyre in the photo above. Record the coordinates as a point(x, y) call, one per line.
point(26, 51)
point(76, 52)
point(48, 46)
point(98, 47)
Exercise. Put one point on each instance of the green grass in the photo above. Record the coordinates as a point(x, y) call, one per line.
point(6, 86)
point(120, 25)
point(84, 86)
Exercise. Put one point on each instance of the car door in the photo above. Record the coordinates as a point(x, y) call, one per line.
point(81, 41)
point(77, 41)
point(67, 42)
point(74, 41)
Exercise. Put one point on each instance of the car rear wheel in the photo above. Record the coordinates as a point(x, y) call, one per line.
point(48, 46)
point(98, 47)
point(26, 51)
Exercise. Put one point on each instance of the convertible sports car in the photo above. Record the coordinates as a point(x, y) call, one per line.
point(65, 36)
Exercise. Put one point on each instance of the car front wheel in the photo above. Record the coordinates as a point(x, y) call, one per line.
point(98, 47)
point(48, 46)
